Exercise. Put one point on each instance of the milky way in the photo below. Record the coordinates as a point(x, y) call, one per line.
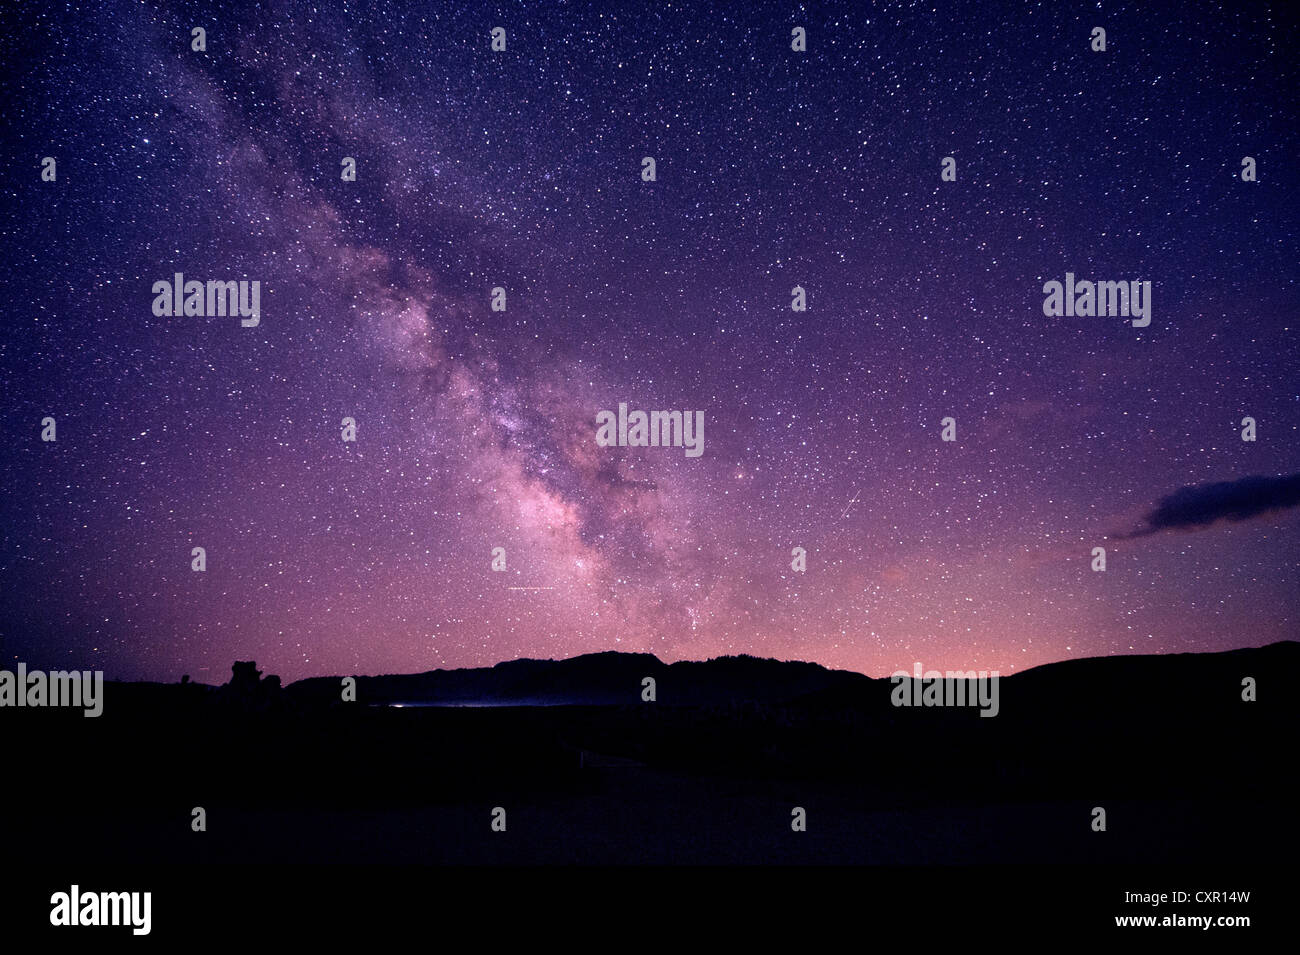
point(522, 169)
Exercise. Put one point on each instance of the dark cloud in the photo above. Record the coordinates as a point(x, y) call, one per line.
point(1201, 505)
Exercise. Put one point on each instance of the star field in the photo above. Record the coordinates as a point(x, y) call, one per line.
point(521, 169)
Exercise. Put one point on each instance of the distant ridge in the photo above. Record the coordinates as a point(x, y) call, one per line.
point(604, 678)
point(613, 677)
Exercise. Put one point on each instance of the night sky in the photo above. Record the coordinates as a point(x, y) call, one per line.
point(476, 428)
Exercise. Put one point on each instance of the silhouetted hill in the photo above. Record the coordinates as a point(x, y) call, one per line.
point(1125, 683)
point(594, 679)
point(1129, 682)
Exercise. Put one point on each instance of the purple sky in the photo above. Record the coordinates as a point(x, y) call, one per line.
point(476, 429)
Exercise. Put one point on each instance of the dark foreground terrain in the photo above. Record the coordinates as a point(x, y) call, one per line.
point(710, 772)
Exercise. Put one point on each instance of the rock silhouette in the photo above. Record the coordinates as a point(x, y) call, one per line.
point(247, 690)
